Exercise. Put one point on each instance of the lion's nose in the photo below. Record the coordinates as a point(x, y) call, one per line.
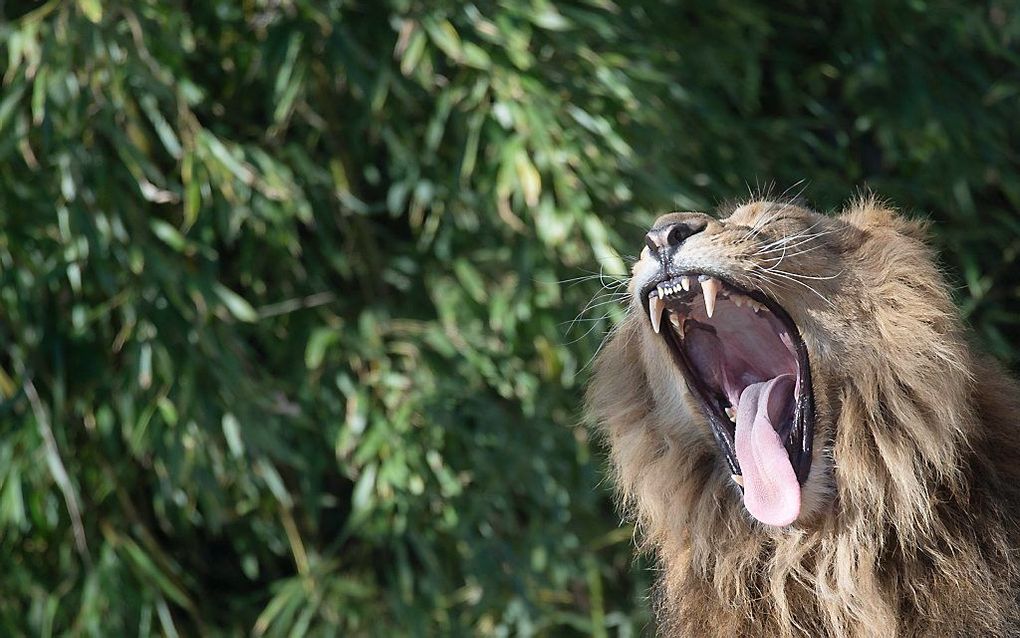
point(672, 234)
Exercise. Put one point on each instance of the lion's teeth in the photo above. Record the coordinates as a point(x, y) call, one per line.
point(731, 412)
point(738, 300)
point(655, 308)
point(685, 282)
point(677, 320)
point(738, 479)
point(710, 288)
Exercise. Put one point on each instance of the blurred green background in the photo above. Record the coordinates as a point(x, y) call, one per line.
point(298, 297)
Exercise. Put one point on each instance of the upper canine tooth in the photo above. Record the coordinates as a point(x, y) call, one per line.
point(685, 282)
point(655, 308)
point(710, 288)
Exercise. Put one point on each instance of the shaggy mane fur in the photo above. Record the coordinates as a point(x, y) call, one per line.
point(912, 502)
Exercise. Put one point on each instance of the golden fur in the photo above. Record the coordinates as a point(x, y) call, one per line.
point(909, 520)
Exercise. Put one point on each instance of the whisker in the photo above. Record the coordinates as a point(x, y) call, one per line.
point(806, 234)
point(786, 248)
point(769, 277)
point(775, 209)
point(582, 320)
point(594, 325)
point(794, 185)
point(768, 281)
point(799, 276)
point(613, 298)
point(764, 254)
point(571, 279)
point(609, 335)
point(592, 276)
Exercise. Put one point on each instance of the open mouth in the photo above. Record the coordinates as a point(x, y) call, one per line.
point(744, 359)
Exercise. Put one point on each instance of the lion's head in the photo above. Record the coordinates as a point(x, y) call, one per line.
point(791, 402)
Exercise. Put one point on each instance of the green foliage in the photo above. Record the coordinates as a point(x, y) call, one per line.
point(288, 286)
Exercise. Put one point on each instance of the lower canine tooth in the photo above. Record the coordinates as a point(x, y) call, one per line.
point(655, 308)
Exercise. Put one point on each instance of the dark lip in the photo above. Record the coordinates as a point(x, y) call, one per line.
point(801, 438)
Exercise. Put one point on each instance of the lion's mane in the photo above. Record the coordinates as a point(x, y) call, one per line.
point(915, 486)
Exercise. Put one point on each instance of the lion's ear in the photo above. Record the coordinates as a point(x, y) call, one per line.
point(870, 213)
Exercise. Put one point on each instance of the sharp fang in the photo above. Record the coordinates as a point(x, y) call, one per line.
point(655, 308)
point(685, 283)
point(738, 479)
point(731, 412)
point(677, 320)
point(710, 288)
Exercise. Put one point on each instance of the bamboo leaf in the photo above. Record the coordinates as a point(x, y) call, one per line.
point(236, 304)
point(92, 9)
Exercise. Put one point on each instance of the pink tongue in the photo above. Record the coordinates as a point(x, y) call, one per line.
point(771, 490)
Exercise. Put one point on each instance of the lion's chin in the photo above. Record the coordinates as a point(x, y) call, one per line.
point(744, 360)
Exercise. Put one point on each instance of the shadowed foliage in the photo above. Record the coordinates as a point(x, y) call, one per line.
point(298, 296)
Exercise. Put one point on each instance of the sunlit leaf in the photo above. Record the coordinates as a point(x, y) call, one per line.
point(235, 303)
point(93, 10)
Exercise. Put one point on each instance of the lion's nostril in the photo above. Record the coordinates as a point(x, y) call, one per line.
point(677, 234)
point(672, 234)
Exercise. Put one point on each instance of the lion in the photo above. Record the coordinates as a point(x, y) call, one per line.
point(803, 434)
